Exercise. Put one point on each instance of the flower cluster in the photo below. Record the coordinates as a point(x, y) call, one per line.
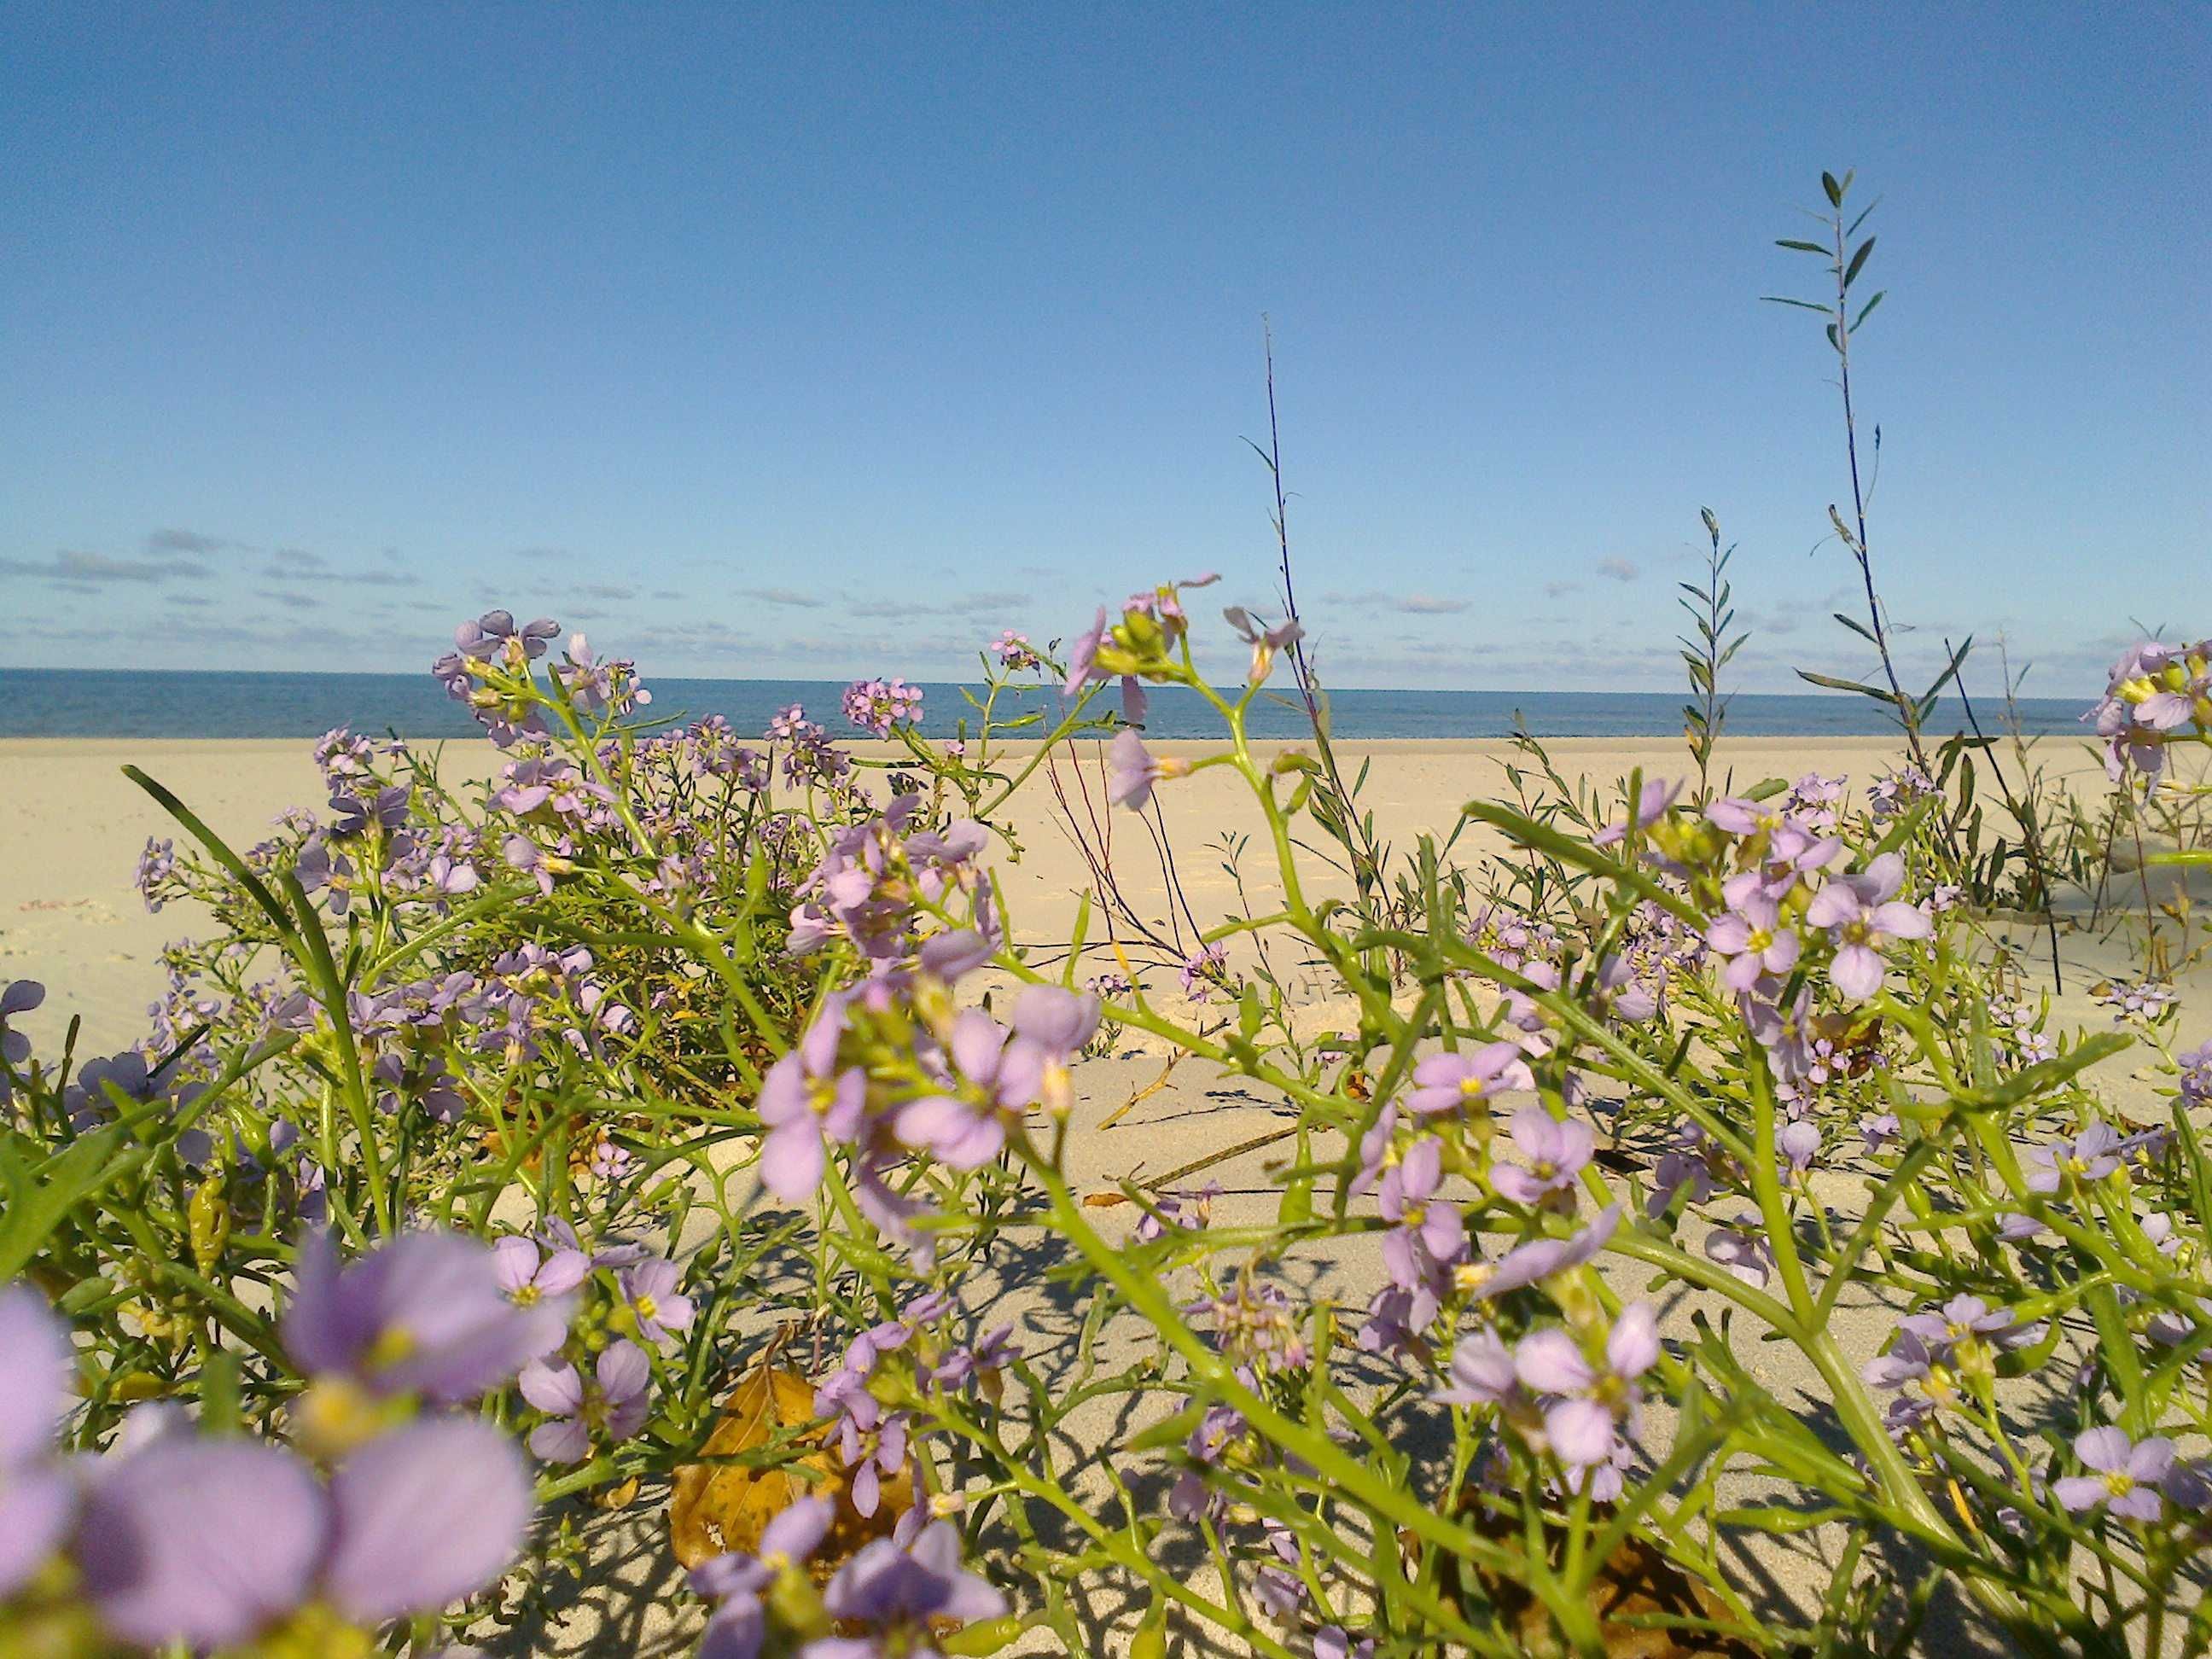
point(876, 706)
point(2156, 695)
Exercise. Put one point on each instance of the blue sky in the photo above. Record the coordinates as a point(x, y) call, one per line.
point(770, 342)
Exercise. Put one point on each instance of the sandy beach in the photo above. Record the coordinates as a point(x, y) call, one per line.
point(73, 826)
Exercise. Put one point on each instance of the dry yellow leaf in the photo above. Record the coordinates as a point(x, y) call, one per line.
point(718, 1508)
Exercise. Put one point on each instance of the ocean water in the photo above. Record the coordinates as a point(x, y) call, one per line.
point(132, 703)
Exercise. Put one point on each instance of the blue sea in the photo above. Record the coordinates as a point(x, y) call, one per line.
point(131, 704)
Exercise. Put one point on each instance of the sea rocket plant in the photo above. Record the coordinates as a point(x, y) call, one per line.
point(672, 1060)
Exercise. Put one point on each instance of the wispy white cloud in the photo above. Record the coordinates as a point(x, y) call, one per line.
point(189, 541)
point(1408, 604)
point(73, 567)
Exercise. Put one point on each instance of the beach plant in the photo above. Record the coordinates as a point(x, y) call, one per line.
point(501, 1148)
point(1712, 619)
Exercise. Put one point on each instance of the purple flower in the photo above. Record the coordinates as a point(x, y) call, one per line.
point(1056, 1021)
point(871, 1451)
point(739, 1625)
point(155, 866)
point(1005, 1075)
point(1133, 770)
point(1743, 1251)
point(1967, 1319)
point(654, 1302)
point(423, 1313)
point(37, 1497)
point(202, 1542)
point(1753, 940)
point(1860, 911)
point(1014, 651)
point(424, 1515)
point(1799, 1144)
point(876, 705)
point(1482, 1372)
point(1330, 1642)
point(528, 1280)
point(1264, 640)
point(600, 687)
point(1651, 803)
point(1910, 1361)
point(805, 1101)
point(615, 1403)
point(898, 1592)
point(1082, 656)
point(2089, 1156)
point(2195, 1075)
point(1427, 1231)
point(1588, 1400)
point(1204, 971)
point(208, 1542)
point(1456, 1082)
point(18, 998)
point(948, 956)
point(1541, 1259)
point(1552, 1150)
point(2126, 1475)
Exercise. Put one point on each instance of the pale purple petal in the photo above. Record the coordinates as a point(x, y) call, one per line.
point(200, 1541)
point(34, 1369)
point(553, 1389)
point(2104, 1449)
point(1580, 1431)
point(424, 1515)
point(1549, 1362)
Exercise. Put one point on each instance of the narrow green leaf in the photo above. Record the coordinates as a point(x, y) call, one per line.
point(1834, 190)
point(1857, 628)
point(1802, 305)
point(1867, 308)
point(1800, 247)
point(1858, 261)
point(1835, 684)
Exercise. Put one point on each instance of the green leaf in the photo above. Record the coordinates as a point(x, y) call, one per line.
point(1802, 305)
point(217, 849)
point(1835, 684)
point(38, 1199)
point(1801, 247)
point(1858, 260)
point(1950, 670)
point(1867, 308)
point(1857, 628)
point(1834, 190)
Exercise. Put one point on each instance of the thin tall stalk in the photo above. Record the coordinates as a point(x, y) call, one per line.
point(1334, 805)
point(1846, 264)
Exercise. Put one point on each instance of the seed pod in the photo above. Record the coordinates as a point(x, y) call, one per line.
point(207, 1220)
